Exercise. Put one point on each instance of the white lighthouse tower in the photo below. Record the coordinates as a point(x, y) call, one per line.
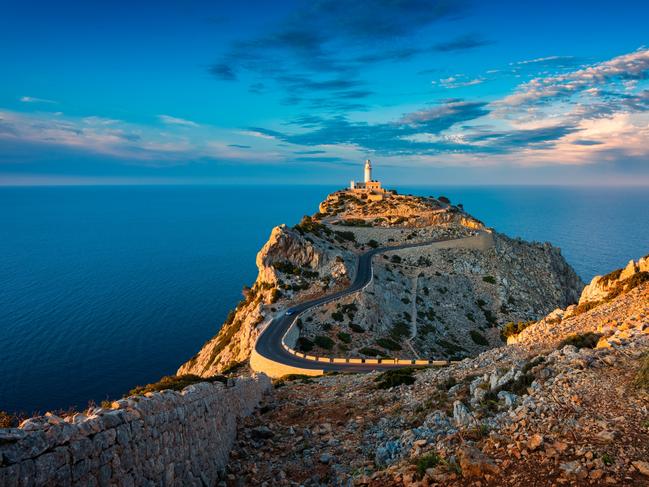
point(368, 171)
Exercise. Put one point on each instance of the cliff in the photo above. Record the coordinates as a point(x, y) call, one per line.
point(444, 300)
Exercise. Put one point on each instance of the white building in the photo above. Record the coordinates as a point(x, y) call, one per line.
point(370, 187)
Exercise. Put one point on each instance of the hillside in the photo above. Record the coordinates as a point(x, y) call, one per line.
point(566, 405)
point(444, 300)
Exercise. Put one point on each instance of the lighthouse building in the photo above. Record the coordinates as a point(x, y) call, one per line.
point(370, 187)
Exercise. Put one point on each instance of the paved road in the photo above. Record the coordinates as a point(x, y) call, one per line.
point(269, 343)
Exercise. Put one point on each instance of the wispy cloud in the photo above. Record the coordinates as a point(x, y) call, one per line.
point(33, 99)
point(169, 120)
point(459, 81)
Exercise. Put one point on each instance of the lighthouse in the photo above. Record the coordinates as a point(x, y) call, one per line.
point(369, 189)
point(368, 171)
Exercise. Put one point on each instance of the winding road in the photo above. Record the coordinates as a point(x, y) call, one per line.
point(269, 343)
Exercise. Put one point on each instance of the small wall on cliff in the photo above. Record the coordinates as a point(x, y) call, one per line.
point(167, 438)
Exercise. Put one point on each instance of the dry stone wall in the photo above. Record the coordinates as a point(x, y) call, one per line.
point(164, 438)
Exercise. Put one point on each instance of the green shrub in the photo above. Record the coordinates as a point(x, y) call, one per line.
point(642, 377)
point(324, 342)
point(489, 279)
point(396, 259)
point(303, 344)
point(337, 315)
point(388, 344)
point(175, 383)
point(581, 340)
point(400, 330)
point(343, 236)
point(371, 352)
point(510, 329)
point(344, 337)
point(444, 199)
point(424, 462)
point(395, 377)
point(478, 338)
point(372, 243)
point(356, 328)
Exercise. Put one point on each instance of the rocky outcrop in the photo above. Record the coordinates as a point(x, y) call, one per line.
point(163, 438)
point(436, 302)
point(601, 287)
point(293, 265)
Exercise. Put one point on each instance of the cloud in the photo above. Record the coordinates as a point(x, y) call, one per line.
point(169, 120)
point(463, 43)
point(240, 146)
point(325, 44)
point(548, 61)
point(459, 81)
point(632, 66)
point(33, 99)
point(399, 137)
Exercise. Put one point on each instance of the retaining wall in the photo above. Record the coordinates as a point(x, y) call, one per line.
point(164, 438)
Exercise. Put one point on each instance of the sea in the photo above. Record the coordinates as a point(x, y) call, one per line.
point(103, 288)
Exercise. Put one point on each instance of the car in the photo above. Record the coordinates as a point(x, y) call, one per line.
point(289, 312)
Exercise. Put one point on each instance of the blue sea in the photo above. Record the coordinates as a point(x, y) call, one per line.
point(105, 288)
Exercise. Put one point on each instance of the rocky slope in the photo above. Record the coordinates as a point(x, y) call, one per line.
point(567, 405)
point(431, 301)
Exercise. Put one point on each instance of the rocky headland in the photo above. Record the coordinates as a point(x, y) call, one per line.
point(422, 302)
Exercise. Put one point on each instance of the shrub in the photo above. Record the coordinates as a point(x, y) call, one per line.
point(342, 236)
point(489, 279)
point(371, 352)
point(303, 344)
point(396, 259)
point(388, 344)
point(581, 340)
point(444, 199)
point(587, 306)
point(324, 342)
point(642, 377)
point(478, 338)
point(356, 328)
point(372, 243)
point(395, 377)
point(424, 462)
point(175, 383)
point(337, 315)
point(8, 420)
point(275, 295)
point(511, 328)
point(400, 330)
point(345, 337)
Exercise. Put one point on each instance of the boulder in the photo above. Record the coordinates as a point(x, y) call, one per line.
point(475, 463)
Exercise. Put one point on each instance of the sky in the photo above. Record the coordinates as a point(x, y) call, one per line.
point(302, 92)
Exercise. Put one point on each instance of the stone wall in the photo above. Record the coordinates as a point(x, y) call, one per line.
point(164, 438)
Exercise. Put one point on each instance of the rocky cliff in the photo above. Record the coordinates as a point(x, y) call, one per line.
point(440, 301)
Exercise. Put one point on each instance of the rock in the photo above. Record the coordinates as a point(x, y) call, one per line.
point(262, 433)
point(325, 458)
point(534, 442)
point(509, 398)
point(642, 467)
point(461, 414)
point(475, 463)
point(606, 436)
point(573, 470)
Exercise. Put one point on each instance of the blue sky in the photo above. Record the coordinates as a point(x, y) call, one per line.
point(435, 92)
